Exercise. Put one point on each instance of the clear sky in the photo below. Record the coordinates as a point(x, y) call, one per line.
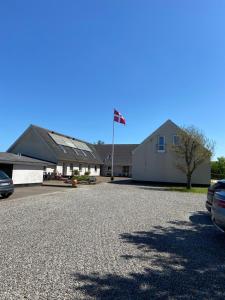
point(64, 65)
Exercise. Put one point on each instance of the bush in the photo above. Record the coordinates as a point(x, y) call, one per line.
point(81, 178)
point(76, 173)
point(87, 173)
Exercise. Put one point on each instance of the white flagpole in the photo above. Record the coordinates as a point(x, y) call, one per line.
point(112, 173)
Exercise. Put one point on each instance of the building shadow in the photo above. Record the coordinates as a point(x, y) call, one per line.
point(183, 260)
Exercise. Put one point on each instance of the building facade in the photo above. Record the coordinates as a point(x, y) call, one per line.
point(122, 159)
point(153, 160)
point(65, 152)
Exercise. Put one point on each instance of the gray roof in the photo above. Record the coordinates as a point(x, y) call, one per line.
point(10, 158)
point(122, 153)
point(65, 153)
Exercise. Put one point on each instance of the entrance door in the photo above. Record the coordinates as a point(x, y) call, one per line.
point(126, 171)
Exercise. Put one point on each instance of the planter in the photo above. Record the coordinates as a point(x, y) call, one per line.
point(74, 183)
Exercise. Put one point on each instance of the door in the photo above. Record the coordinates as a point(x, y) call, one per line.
point(126, 171)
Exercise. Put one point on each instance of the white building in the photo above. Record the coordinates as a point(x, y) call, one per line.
point(23, 170)
point(153, 160)
point(66, 153)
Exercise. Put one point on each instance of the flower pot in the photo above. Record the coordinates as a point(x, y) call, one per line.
point(74, 183)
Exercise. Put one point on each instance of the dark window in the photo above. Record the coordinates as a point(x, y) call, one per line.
point(80, 167)
point(44, 168)
point(175, 139)
point(3, 175)
point(161, 144)
point(109, 168)
point(71, 167)
point(96, 168)
point(89, 167)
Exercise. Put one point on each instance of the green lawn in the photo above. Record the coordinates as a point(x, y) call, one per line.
point(199, 190)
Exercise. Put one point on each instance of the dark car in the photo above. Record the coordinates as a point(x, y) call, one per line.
point(6, 185)
point(218, 210)
point(218, 186)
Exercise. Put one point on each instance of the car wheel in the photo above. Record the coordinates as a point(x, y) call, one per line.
point(4, 196)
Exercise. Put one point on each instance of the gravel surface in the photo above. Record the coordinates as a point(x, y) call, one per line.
point(110, 241)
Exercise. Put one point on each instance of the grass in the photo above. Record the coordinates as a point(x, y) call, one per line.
point(198, 190)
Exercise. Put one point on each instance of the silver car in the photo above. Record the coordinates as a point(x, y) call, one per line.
point(6, 185)
point(218, 210)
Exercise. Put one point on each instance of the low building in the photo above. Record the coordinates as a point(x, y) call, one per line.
point(153, 160)
point(122, 159)
point(65, 152)
point(23, 170)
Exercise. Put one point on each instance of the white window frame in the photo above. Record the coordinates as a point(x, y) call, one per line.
point(164, 138)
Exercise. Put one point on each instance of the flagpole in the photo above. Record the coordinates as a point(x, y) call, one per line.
point(112, 173)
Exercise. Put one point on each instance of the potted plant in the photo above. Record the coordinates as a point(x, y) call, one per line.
point(74, 178)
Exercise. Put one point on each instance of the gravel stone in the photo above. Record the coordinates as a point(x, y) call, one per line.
point(110, 241)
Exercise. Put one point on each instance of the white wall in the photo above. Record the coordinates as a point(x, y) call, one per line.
point(59, 168)
point(84, 169)
point(24, 174)
point(50, 170)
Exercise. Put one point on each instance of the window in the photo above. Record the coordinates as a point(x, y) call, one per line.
point(175, 139)
point(161, 144)
point(71, 167)
point(80, 167)
point(89, 167)
point(83, 153)
point(3, 175)
point(45, 168)
point(96, 168)
point(63, 148)
point(109, 168)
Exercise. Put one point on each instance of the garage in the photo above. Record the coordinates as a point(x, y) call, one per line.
point(22, 169)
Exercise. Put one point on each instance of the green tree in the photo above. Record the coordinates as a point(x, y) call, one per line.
point(191, 151)
point(218, 168)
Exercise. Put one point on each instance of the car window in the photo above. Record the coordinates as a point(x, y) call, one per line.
point(3, 175)
point(219, 185)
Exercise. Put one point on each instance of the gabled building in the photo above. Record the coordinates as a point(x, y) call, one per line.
point(23, 170)
point(153, 160)
point(122, 159)
point(67, 153)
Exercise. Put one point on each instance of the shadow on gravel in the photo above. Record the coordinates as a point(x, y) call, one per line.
point(184, 260)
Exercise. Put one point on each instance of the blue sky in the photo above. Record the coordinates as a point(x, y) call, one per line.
point(64, 65)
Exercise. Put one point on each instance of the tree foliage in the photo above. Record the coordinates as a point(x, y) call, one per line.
point(192, 150)
point(99, 142)
point(218, 168)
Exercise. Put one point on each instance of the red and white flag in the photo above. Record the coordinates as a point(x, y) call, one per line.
point(118, 117)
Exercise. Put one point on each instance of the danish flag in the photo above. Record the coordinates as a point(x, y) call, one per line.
point(118, 117)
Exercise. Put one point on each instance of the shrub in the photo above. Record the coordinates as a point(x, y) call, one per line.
point(87, 173)
point(76, 173)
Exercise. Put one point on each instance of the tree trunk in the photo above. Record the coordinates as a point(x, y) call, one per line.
point(188, 181)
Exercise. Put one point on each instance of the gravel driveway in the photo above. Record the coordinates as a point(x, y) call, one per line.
point(110, 241)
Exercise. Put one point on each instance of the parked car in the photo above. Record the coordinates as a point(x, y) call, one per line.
point(218, 186)
point(218, 210)
point(6, 185)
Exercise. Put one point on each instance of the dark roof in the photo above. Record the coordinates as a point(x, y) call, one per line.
point(122, 153)
point(10, 158)
point(65, 153)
